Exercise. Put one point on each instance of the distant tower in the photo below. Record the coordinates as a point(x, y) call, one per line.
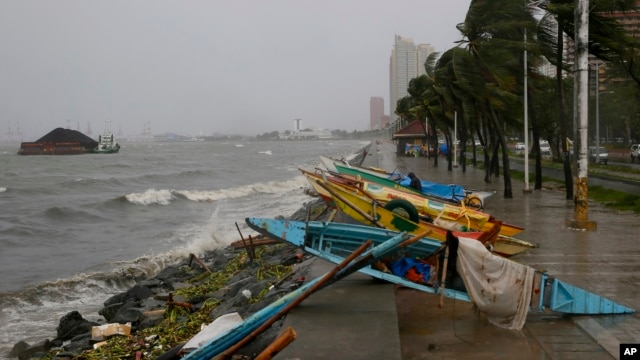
point(146, 131)
point(297, 124)
point(18, 132)
point(407, 62)
point(9, 133)
point(376, 112)
point(89, 132)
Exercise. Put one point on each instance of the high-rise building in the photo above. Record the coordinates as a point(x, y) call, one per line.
point(376, 112)
point(407, 62)
point(384, 121)
point(422, 52)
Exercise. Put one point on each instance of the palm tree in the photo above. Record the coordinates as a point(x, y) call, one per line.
point(607, 40)
point(494, 33)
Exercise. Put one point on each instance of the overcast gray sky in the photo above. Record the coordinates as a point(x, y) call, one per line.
point(198, 67)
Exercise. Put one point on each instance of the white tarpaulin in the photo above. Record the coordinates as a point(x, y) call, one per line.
point(499, 287)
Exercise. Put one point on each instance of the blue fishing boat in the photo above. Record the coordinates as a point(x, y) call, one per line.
point(225, 341)
point(452, 193)
point(536, 290)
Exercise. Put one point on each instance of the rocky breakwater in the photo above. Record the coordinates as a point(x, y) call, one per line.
point(158, 315)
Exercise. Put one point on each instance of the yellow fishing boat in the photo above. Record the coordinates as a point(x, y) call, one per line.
point(367, 211)
point(415, 205)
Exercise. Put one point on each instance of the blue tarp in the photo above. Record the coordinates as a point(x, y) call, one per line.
point(451, 191)
point(443, 149)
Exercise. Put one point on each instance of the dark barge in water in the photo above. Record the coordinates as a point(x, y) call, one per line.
point(59, 142)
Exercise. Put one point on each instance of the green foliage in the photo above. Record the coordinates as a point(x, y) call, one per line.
point(610, 198)
point(615, 199)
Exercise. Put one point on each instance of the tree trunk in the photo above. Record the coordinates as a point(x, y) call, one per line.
point(566, 158)
point(508, 189)
point(434, 143)
point(506, 170)
point(449, 149)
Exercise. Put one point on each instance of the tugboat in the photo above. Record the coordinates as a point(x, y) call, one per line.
point(106, 145)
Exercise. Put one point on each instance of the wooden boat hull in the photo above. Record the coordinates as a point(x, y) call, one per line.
point(330, 241)
point(469, 218)
point(385, 189)
point(367, 212)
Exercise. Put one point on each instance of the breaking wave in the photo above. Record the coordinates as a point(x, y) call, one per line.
point(150, 197)
point(165, 196)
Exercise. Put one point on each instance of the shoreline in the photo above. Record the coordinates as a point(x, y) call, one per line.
point(140, 305)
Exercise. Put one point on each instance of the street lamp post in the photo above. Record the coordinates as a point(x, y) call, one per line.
point(598, 113)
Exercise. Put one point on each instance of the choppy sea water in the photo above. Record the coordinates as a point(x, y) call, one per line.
point(73, 228)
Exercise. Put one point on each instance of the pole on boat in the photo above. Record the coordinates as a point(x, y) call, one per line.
point(247, 247)
point(281, 342)
point(351, 205)
point(444, 275)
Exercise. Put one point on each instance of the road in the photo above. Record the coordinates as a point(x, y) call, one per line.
point(621, 181)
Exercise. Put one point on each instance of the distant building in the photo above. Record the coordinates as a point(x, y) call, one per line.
point(376, 113)
point(422, 52)
point(407, 62)
point(297, 124)
point(307, 134)
point(384, 121)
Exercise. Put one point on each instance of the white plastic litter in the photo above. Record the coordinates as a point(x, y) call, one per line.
point(246, 293)
point(219, 326)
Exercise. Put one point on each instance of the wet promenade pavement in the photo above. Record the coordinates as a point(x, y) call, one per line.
point(357, 318)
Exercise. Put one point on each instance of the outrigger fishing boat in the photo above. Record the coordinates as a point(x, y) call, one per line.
point(503, 289)
point(367, 211)
point(416, 206)
point(452, 193)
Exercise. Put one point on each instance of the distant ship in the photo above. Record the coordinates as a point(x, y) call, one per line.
point(68, 142)
point(106, 145)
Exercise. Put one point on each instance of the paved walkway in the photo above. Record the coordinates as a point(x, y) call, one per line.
point(356, 317)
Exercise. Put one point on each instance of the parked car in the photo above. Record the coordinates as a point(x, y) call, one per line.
point(519, 147)
point(544, 146)
point(600, 154)
point(635, 152)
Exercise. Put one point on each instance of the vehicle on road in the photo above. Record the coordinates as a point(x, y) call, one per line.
point(544, 146)
point(598, 154)
point(635, 152)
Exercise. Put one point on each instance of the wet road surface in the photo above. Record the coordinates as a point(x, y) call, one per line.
point(605, 262)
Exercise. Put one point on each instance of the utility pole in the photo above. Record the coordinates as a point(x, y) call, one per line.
point(526, 119)
point(581, 115)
